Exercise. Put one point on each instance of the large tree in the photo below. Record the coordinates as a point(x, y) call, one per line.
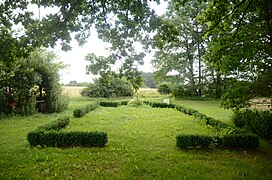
point(180, 45)
point(121, 23)
point(240, 34)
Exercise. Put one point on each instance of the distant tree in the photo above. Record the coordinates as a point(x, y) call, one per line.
point(180, 46)
point(108, 86)
point(75, 83)
point(148, 78)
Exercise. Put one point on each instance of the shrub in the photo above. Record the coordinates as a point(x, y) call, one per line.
point(124, 102)
point(147, 102)
point(66, 139)
point(81, 111)
point(57, 125)
point(162, 105)
point(241, 140)
point(259, 122)
point(109, 104)
point(164, 88)
point(48, 135)
point(193, 141)
point(108, 87)
point(136, 101)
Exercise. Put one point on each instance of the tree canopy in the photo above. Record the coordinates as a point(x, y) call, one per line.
point(236, 38)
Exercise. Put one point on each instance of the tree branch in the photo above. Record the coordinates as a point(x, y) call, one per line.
point(242, 18)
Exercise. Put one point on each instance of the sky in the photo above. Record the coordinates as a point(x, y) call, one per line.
point(75, 58)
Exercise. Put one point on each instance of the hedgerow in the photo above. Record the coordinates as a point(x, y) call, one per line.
point(246, 140)
point(48, 135)
point(81, 111)
point(66, 139)
point(232, 136)
point(258, 122)
point(193, 141)
point(109, 104)
point(57, 125)
point(161, 105)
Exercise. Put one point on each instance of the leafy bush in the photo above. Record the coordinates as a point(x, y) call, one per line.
point(194, 141)
point(57, 125)
point(136, 101)
point(147, 102)
point(81, 111)
point(108, 87)
point(164, 88)
point(162, 105)
point(258, 122)
point(66, 139)
point(241, 140)
point(109, 104)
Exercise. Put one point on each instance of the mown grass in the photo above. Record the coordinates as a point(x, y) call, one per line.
point(141, 146)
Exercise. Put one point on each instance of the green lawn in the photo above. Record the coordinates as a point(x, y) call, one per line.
point(210, 108)
point(141, 146)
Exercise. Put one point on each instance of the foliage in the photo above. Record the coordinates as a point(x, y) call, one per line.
point(232, 140)
point(148, 78)
point(27, 79)
point(164, 88)
point(109, 104)
point(75, 83)
point(180, 46)
point(57, 125)
point(241, 141)
point(239, 47)
point(237, 96)
point(193, 141)
point(81, 111)
point(162, 105)
point(67, 139)
point(108, 86)
point(258, 122)
point(137, 101)
point(48, 135)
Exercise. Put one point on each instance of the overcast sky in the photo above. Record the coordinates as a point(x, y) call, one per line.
point(75, 58)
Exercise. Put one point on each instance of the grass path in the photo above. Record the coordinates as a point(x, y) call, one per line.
point(141, 146)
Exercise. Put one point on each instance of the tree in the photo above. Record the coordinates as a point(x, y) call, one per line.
point(240, 46)
point(148, 78)
point(30, 78)
point(180, 45)
point(108, 86)
point(121, 23)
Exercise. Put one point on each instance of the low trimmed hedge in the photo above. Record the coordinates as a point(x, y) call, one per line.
point(109, 104)
point(236, 137)
point(66, 139)
point(193, 141)
point(241, 140)
point(81, 111)
point(232, 140)
point(57, 125)
point(161, 105)
point(258, 122)
point(48, 135)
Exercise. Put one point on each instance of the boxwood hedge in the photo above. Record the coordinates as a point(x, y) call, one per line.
point(81, 111)
point(49, 136)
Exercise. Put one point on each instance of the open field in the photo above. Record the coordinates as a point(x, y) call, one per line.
point(73, 91)
point(141, 146)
